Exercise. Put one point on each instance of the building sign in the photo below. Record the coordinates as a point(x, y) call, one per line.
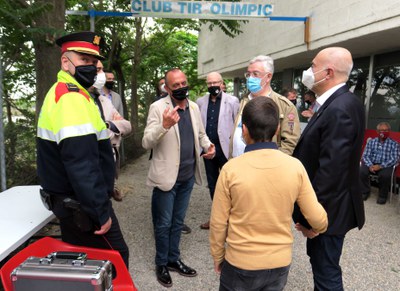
point(200, 9)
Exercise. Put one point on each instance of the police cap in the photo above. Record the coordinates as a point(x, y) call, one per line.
point(86, 42)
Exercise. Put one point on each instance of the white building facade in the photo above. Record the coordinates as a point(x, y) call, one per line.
point(369, 29)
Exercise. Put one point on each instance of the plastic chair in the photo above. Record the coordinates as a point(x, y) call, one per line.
point(44, 246)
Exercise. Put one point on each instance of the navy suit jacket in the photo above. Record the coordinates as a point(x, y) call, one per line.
point(330, 150)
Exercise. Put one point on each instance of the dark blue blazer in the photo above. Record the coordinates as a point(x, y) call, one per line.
point(330, 150)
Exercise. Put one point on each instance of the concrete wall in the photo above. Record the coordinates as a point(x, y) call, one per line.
point(365, 27)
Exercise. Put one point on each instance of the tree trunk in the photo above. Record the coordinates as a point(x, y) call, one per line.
point(47, 53)
point(115, 64)
point(137, 56)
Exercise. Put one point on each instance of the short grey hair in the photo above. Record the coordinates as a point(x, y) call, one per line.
point(383, 123)
point(268, 62)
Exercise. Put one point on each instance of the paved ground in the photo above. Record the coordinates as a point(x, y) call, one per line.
point(370, 261)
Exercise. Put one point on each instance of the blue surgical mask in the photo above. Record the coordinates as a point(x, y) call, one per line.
point(254, 84)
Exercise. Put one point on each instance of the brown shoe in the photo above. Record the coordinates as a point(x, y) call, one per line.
point(205, 225)
point(116, 194)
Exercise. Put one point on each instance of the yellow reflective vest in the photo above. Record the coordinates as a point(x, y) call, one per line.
point(74, 155)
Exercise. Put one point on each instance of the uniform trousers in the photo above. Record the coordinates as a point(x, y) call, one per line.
point(113, 239)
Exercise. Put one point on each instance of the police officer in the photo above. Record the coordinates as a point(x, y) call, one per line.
point(258, 80)
point(74, 157)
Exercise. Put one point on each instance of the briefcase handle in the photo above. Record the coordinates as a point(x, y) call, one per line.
point(68, 256)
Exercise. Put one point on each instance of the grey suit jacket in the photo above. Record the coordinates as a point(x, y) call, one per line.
point(226, 120)
point(117, 102)
point(164, 165)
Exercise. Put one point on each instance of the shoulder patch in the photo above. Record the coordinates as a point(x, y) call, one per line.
point(64, 88)
point(72, 87)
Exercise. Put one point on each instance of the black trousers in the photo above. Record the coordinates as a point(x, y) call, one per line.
point(213, 167)
point(324, 252)
point(235, 279)
point(113, 239)
point(384, 176)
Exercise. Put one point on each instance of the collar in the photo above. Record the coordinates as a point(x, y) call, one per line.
point(219, 96)
point(261, 146)
point(104, 93)
point(65, 77)
point(174, 104)
point(322, 99)
point(250, 96)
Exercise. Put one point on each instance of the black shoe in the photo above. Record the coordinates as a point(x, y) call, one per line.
point(365, 196)
point(182, 269)
point(381, 200)
point(163, 276)
point(186, 229)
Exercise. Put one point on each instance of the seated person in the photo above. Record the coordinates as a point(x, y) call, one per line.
point(379, 157)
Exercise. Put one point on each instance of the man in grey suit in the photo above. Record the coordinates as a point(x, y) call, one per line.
point(218, 113)
point(107, 91)
point(176, 135)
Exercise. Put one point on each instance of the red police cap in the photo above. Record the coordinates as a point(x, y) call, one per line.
point(86, 42)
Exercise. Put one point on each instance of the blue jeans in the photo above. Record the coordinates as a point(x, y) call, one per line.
point(235, 279)
point(168, 211)
point(324, 252)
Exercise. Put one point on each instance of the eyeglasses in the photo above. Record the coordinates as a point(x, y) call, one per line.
point(255, 74)
point(213, 83)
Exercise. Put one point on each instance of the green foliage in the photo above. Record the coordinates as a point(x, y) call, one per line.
point(21, 168)
point(230, 27)
point(164, 44)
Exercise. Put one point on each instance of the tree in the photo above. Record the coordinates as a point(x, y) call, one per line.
point(28, 56)
point(139, 51)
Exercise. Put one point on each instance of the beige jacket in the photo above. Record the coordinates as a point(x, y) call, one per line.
point(164, 165)
point(289, 123)
point(111, 114)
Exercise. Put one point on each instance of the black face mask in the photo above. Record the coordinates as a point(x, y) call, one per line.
point(181, 93)
point(85, 75)
point(294, 102)
point(308, 102)
point(214, 90)
point(109, 85)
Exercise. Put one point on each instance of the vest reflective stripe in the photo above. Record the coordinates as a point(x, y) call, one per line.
point(71, 131)
point(72, 114)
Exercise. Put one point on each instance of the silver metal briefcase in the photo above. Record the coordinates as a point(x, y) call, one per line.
point(63, 271)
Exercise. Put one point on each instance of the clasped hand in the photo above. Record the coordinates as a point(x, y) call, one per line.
point(308, 233)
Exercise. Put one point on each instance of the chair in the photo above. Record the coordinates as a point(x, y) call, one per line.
point(44, 246)
point(369, 134)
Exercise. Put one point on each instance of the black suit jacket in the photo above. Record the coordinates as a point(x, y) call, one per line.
point(330, 150)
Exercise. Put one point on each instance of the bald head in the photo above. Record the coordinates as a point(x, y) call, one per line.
point(214, 75)
point(331, 67)
point(339, 59)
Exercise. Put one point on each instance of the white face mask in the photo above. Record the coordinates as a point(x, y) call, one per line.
point(308, 78)
point(100, 80)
